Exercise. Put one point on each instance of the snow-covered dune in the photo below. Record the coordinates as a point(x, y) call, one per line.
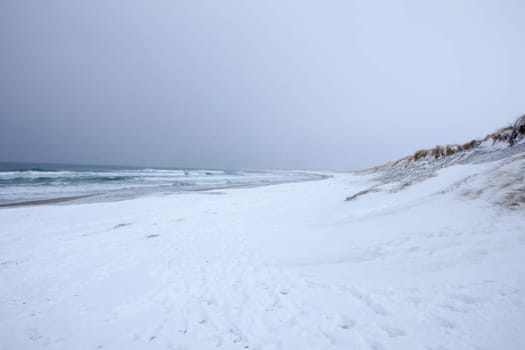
point(433, 261)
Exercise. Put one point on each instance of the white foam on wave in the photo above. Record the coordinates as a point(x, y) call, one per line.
point(29, 185)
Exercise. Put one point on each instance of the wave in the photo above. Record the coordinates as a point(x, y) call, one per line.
point(62, 180)
point(22, 170)
point(33, 183)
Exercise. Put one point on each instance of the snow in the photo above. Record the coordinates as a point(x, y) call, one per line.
point(437, 264)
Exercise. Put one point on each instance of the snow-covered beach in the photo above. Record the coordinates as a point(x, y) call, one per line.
point(262, 175)
point(433, 264)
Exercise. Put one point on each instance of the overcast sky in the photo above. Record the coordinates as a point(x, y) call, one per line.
point(254, 84)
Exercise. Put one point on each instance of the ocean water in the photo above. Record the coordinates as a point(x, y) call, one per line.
point(22, 182)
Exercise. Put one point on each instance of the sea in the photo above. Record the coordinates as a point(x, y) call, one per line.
point(29, 182)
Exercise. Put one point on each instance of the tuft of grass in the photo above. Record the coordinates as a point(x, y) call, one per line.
point(518, 130)
point(470, 145)
point(362, 193)
point(438, 152)
point(420, 154)
point(501, 135)
point(451, 149)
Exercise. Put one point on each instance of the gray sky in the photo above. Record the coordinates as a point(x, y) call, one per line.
point(258, 84)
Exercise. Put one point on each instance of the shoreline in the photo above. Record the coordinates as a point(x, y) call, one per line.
point(123, 195)
point(46, 201)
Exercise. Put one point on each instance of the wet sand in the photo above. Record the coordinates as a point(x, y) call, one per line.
point(46, 201)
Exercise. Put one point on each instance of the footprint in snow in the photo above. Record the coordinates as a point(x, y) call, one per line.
point(374, 345)
point(121, 225)
point(371, 304)
point(444, 323)
point(345, 322)
point(464, 298)
point(393, 332)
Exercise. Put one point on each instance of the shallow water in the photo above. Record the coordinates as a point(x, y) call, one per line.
point(23, 182)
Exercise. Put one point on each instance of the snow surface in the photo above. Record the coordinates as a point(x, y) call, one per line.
point(435, 264)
